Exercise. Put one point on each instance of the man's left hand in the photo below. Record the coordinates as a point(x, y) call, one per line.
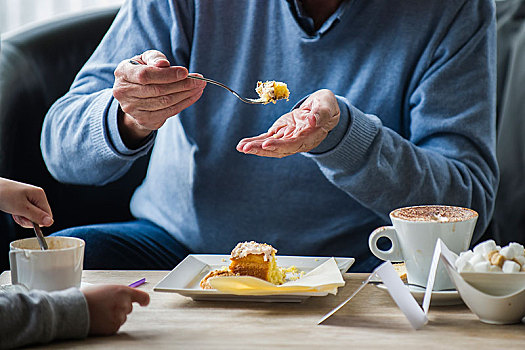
point(300, 130)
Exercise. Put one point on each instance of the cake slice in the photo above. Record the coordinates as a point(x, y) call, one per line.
point(205, 283)
point(271, 91)
point(257, 260)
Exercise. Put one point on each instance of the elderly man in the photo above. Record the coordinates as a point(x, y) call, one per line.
point(392, 104)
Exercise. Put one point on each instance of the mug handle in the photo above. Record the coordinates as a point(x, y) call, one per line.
point(14, 268)
point(394, 253)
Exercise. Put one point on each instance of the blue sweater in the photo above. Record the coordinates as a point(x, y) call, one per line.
point(415, 81)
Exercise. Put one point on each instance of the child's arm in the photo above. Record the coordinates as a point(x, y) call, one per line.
point(40, 317)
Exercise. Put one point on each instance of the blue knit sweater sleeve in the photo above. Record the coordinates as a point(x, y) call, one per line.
point(84, 121)
point(449, 156)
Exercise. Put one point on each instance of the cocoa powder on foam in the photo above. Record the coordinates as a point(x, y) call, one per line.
point(434, 213)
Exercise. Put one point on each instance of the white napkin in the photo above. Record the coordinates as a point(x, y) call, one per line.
point(324, 278)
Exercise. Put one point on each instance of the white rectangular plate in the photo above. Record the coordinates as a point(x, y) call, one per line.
point(184, 279)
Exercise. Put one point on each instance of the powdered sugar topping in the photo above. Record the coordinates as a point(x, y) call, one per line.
point(244, 249)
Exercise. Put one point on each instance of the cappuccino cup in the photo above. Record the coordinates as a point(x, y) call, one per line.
point(57, 268)
point(414, 234)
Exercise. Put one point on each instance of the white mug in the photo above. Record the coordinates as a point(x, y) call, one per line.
point(414, 239)
point(59, 267)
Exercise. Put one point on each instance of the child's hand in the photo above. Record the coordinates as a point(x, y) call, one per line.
point(26, 203)
point(109, 305)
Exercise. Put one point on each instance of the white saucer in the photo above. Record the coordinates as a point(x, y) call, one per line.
point(439, 298)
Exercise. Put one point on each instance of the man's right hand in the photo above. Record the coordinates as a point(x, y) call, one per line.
point(150, 93)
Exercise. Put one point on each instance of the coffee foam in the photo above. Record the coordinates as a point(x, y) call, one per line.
point(53, 243)
point(434, 213)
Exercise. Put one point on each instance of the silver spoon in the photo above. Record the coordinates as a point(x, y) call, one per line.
point(252, 101)
point(40, 237)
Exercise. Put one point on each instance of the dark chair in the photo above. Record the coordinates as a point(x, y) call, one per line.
point(37, 66)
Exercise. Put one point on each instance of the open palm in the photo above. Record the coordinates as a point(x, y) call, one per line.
point(300, 130)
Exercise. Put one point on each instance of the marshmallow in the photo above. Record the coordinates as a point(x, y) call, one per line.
point(520, 251)
point(484, 248)
point(466, 255)
point(476, 258)
point(459, 262)
point(463, 258)
point(510, 266)
point(520, 260)
point(489, 257)
point(483, 266)
point(464, 266)
point(494, 268)
point(508, 252)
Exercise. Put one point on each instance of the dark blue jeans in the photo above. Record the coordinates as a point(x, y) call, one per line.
point(133, 245)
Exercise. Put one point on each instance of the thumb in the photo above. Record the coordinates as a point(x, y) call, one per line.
point(155, 58)
point(139, 296)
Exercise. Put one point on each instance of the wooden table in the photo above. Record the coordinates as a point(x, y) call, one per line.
point(370, 320)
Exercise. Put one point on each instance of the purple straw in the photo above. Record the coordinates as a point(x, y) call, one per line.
point(137, 283)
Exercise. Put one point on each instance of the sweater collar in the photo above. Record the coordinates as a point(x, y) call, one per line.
point(307, 23)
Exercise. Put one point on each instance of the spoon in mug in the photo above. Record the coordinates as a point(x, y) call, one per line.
point(40, 237)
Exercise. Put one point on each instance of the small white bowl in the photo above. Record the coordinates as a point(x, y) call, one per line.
point(496, 298)
point(496, 283)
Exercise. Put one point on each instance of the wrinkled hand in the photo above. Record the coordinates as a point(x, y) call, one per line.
point(300, 130)
point(109, 306)
point(26, 203)
point(150, 93)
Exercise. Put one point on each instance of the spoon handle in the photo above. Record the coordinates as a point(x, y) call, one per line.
point(40, 237)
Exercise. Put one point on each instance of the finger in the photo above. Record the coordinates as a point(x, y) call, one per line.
point(255, 145)
point(171, 110)
point(240, 146)
point(34, 214)
point(155, 58)
point(153, 120)
point(265, 153)
point(124, 89)
point(279, 133)
point(257, 138)
point(146, 75)
point(284, 132)
point(22, 221)
point(139, 296)
point(155, 90)
point(40, 209)
point(164, 101)
point(282, 146)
